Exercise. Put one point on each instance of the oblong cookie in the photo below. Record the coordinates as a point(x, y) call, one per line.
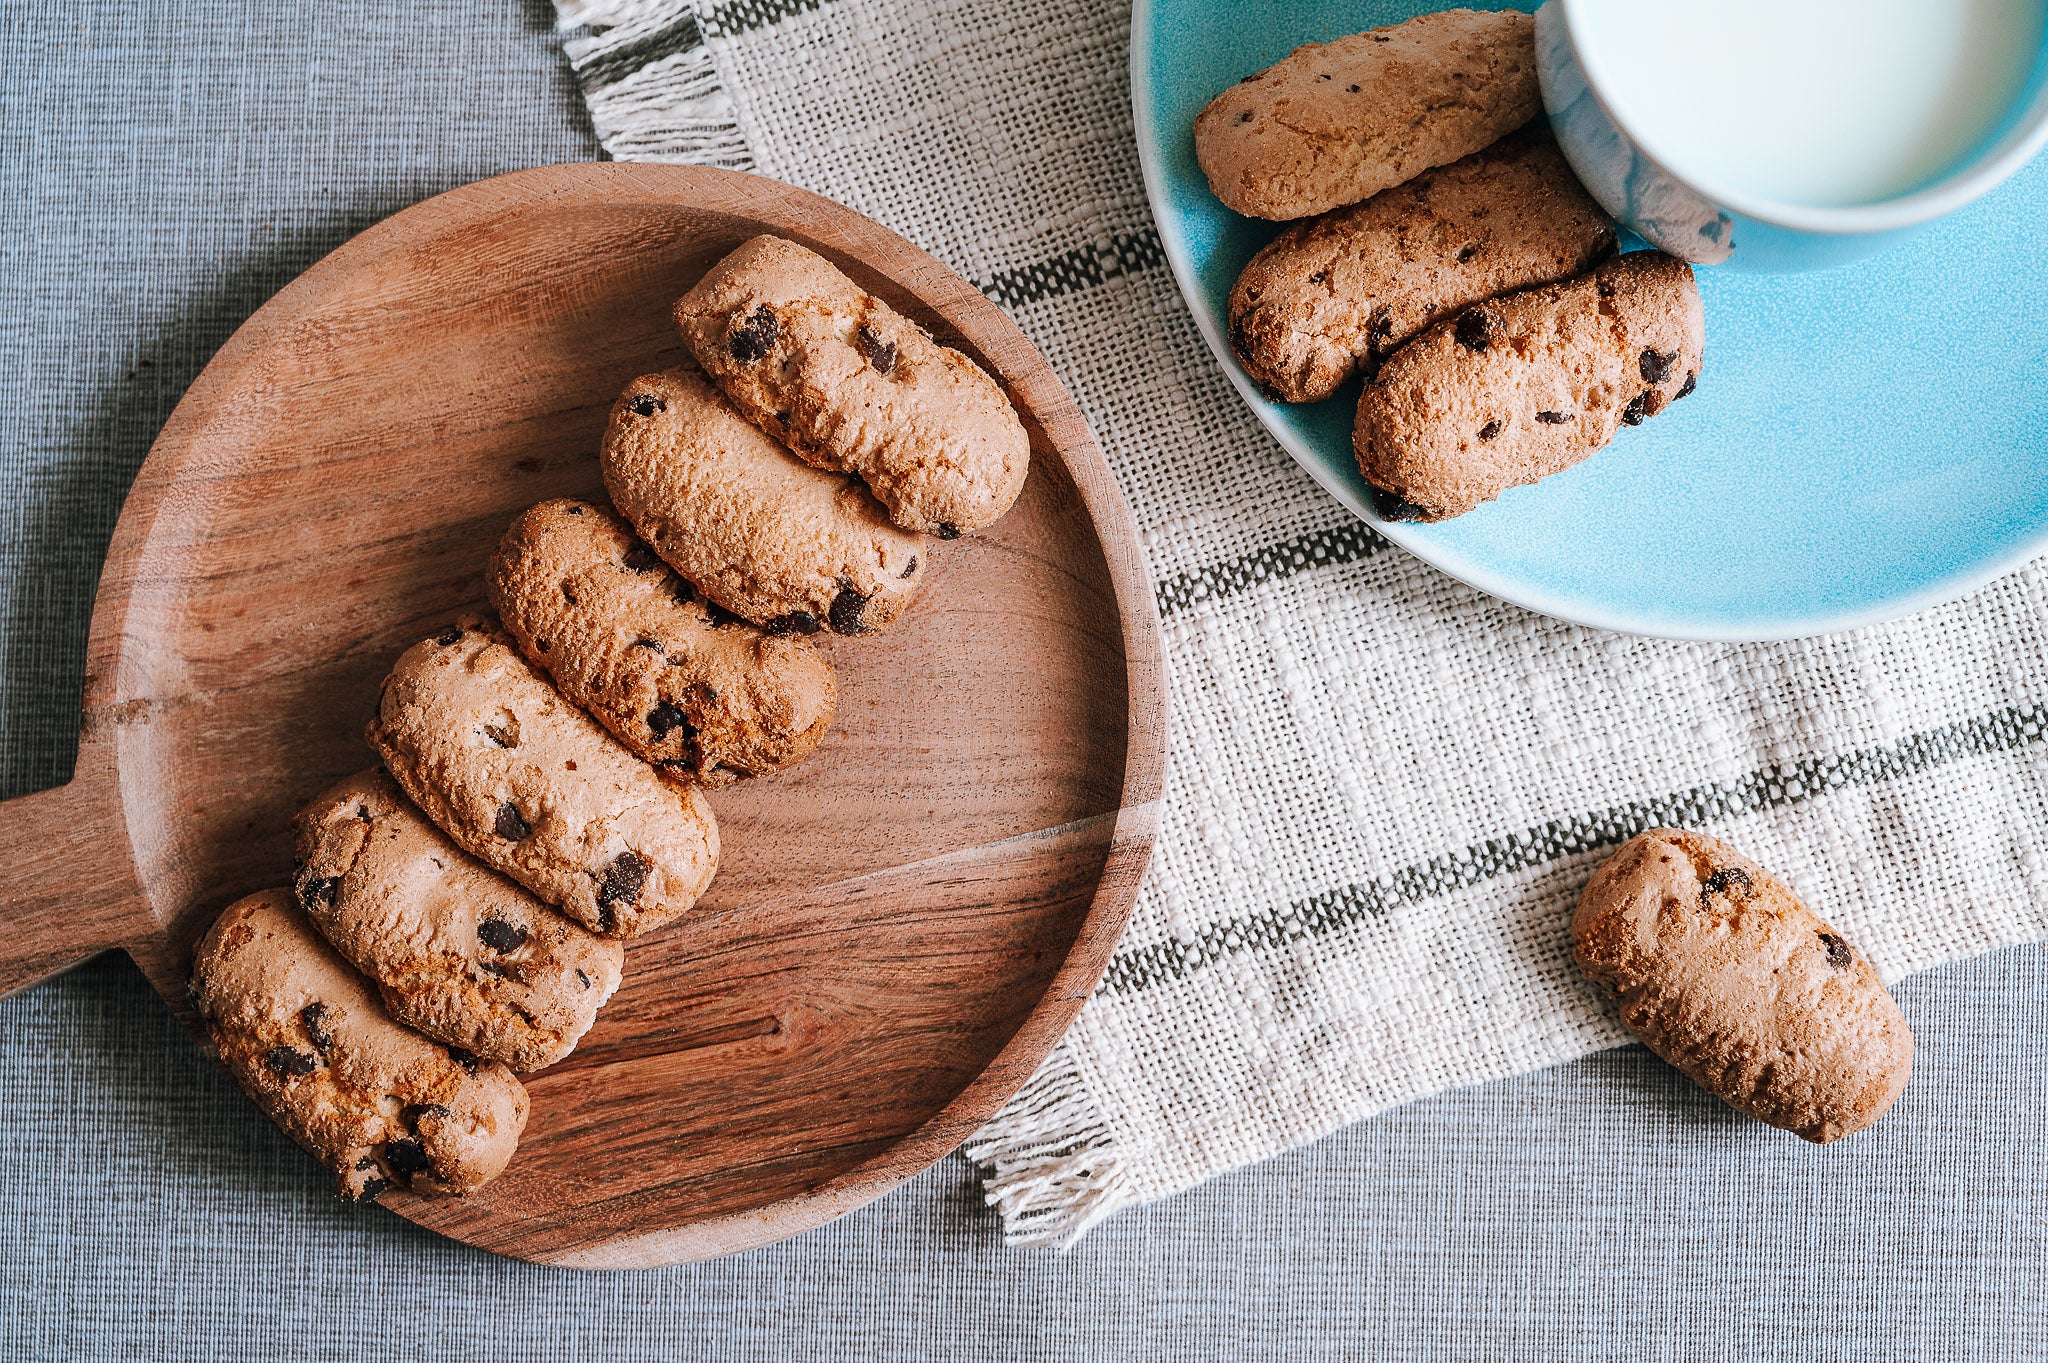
point(851, 384)
point(696, 691)
point(1340, 293)
point(761, 533)
point(1723, 972)
point(530, 785)
point(1523, 386)
point(1333, 123)
point(313, 1048)
point(456, 950)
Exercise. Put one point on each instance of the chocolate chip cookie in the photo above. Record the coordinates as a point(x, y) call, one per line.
point(308, 1042)
point(456, 950)
point(1337, 122)
point(530, 785)
point(1525, 385)
point(850, 384)
point(1340, 293)
point(695, 690)
point(1723, 972)
point(792, 548)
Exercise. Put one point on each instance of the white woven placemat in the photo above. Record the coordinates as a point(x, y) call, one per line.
point(1387, 788)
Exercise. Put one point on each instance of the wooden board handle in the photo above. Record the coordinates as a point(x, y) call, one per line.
point(70, 890)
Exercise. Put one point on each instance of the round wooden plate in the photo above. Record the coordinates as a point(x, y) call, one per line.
point(903, 925)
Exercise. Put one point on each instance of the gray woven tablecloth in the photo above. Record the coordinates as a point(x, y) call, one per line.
point(170, 167)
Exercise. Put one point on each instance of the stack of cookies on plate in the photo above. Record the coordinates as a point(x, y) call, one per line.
point(1447, 255)
point(460, 913)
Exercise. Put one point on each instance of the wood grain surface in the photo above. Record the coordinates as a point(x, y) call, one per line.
point(903, 925)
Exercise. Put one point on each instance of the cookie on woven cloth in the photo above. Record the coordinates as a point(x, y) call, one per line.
point(308, 1042)
point(456, 950)
point(851, 384)
point(531, 786)
point(1522, 386)
point(1337, 122)
point(1338, 294)
point(697, 691)
point(1723, 972)
point(758, 531)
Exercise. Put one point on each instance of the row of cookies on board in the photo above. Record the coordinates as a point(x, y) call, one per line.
point(1449, 256)
point(459, 913)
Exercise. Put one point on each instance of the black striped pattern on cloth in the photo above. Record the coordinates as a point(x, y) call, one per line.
point(1774, 787)
point(607, 66)
point(1346, 543)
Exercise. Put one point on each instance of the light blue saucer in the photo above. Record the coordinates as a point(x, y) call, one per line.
point(1865, 442)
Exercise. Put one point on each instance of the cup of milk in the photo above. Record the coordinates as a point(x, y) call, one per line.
point(1792, 134)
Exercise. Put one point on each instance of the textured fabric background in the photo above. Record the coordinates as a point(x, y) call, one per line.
point(170, 167)
point(1386, 788)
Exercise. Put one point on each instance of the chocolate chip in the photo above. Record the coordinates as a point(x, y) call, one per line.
point(285, 1060)
point(318, 890)
point(411, 1113)
point(582, 979)
point(541, 644)
point(406, 1157)
point(1352, 88)
point(576, 509)
point(511, 824)
point(752, 339)
point(880, 353)
point(500, 735)
point(1393, 507)
point(622, 881)
point(720, 616)
point(651, 645)
point(568, 595)
point(466, 1059)
point(1319, 276)
point(1692, 381)
point(363, 813)
point(1472, 330)
point(946, 530)
point(1489, 430)
point(607, 919)
point(1724, 879)
point(499, 935)
point(450, 635)
point(682, 591)
point(373, 1185)
point(1376, 333)
point(664, 718)
point(1553, 418)
point(313, 1017)
point(909, 567)
point(646, 404)
point(846, 611)
point(796, 622)
point(1839, 955)
point(1466, 253)
point(1654, 366)
point(641, 559)
point(1246, 116)
point(1637, 409)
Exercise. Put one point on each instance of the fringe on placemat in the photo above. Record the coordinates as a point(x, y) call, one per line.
point(1049, 1161)
point(650, 82)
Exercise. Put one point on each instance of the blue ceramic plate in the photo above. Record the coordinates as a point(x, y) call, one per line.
point(1865, 442)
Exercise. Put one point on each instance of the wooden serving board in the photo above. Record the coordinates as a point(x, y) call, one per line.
point(902, 926)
